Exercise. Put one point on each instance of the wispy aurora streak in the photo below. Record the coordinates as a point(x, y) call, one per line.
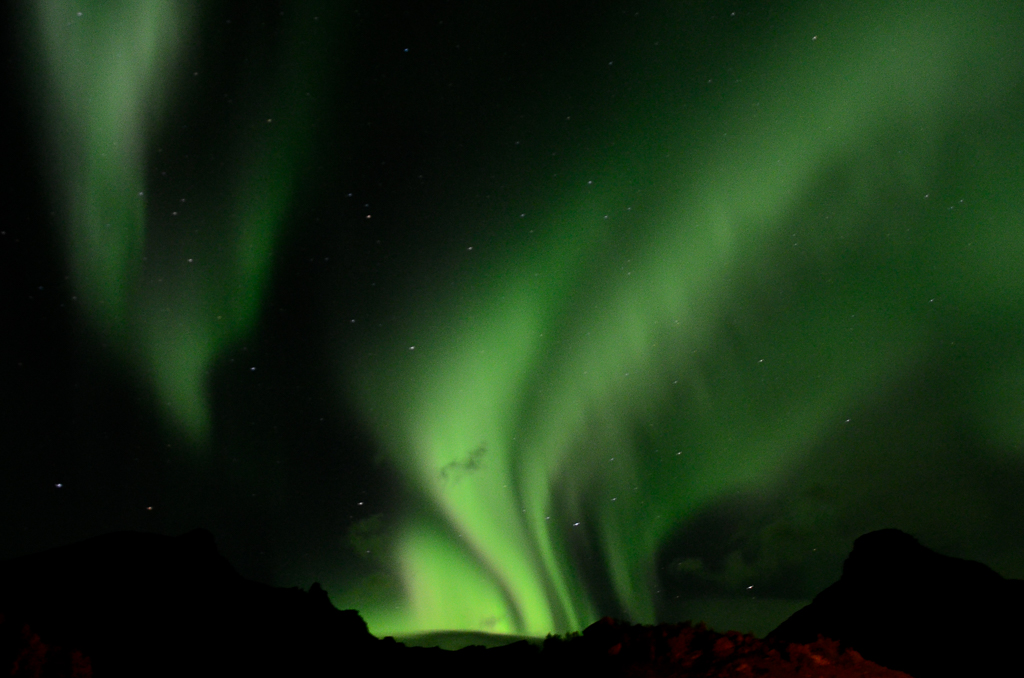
point(600, 382)
point(167, 274)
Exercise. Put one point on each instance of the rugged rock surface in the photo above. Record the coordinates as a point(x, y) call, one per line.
point(686, 651)
point(905, 606)
point(24, 654)
point(607, 648)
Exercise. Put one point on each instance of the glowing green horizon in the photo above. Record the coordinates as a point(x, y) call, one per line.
point(595, 381)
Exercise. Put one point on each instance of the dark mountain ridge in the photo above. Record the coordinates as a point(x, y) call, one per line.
point(905, 606)
point(141, 605)
point(145, 604)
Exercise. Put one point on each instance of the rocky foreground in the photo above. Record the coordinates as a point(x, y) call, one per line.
point(143, 605)
point(606, 648)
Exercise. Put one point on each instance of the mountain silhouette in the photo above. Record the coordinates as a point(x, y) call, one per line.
point(140, 605)
point(909, 608)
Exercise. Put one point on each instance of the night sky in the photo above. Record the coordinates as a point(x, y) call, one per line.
point(508, 316)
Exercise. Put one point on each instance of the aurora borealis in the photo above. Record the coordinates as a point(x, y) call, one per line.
point(108, 73)
point(507, 318)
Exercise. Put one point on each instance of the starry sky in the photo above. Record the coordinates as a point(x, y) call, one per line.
point(508, 316)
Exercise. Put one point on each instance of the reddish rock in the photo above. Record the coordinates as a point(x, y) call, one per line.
point(24, 654)
point(686, 651)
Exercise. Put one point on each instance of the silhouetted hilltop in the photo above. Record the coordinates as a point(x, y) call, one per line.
point(905, 606)
point(147, 605)
point(144, 605)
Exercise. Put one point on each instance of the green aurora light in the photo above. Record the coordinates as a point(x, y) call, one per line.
point(170, 278)
point(720, 291)
point(620, 372)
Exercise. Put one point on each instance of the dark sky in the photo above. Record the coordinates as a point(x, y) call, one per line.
point(508, 316)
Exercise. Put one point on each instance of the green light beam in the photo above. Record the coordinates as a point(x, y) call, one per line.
point(168, 286)
point(558, 382)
